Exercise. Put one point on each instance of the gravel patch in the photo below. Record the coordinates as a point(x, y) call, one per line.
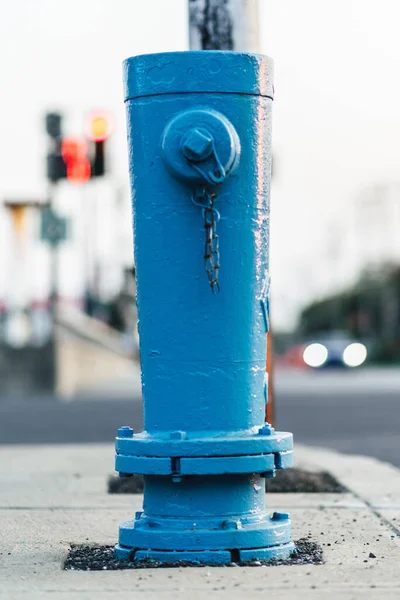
point(304, 482)
point(125, 485)
point(101, 558)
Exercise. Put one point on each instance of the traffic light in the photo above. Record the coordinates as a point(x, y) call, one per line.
point(74, 154)
point(56, 167)
point(71, 158)
point(53, 125)
point(98, 167)
point(98, 128)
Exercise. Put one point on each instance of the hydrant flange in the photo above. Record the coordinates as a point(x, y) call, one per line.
point(205, 456)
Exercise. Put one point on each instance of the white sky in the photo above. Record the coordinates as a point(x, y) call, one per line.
point(336, 111)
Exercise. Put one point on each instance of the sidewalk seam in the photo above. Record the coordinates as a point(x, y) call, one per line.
point(376, 512)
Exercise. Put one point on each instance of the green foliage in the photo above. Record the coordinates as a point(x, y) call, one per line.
point(369, 310)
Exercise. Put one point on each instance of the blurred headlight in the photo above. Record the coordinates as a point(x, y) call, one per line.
point(354, 355)
point(315, 355)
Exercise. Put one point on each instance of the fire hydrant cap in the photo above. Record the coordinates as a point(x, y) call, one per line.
point(210, 71)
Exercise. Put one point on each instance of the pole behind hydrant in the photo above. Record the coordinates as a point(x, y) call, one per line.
point(199, 129)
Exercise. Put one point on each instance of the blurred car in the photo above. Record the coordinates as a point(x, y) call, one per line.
point(292, 358)
point(334, 350)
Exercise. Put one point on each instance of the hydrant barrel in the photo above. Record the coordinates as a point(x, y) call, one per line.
point(201, 354)
point(199, 135)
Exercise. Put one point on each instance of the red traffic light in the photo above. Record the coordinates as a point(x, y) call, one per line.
point(78, 171)
point(98, 125)
point(73, 151)
point(73, 148)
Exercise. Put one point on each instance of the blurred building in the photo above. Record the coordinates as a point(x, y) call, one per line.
point(91, 261)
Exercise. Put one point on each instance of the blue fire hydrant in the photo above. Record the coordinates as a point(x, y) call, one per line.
point(199, 133)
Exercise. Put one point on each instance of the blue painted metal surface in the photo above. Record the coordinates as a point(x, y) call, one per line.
point(199, 147)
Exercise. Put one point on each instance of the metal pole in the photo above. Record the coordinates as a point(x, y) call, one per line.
point(88, 246)
point(53, 259)
point(54, 268)
point(230, 25)
point(224, 25)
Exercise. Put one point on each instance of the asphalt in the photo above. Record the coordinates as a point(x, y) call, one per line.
point(50, 421)
point(352, 412)
point(367, 423)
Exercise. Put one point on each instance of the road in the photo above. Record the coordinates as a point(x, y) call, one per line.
point(352, 412)
point(347, 411)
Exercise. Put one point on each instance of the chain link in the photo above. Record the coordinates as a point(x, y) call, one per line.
point(211, 247)
point(206, 199)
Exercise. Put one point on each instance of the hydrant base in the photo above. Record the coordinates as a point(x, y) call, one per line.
point(216, 541)
point(204, 557)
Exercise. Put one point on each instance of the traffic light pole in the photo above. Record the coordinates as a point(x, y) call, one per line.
point(56, 169)
point(67, 158)
point(53, 249)
point(53, 257)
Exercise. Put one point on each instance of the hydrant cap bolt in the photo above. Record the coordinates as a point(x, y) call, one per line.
point(126, 432)
point(197, 144)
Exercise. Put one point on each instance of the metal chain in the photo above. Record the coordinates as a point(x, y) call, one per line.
point(205, 198)
point(211, 247)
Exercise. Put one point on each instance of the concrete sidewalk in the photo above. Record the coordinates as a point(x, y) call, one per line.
point(56, 495)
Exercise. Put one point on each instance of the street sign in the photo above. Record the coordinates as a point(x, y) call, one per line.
point(53, 229)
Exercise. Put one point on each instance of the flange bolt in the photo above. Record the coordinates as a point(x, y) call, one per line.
point(125, 432)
